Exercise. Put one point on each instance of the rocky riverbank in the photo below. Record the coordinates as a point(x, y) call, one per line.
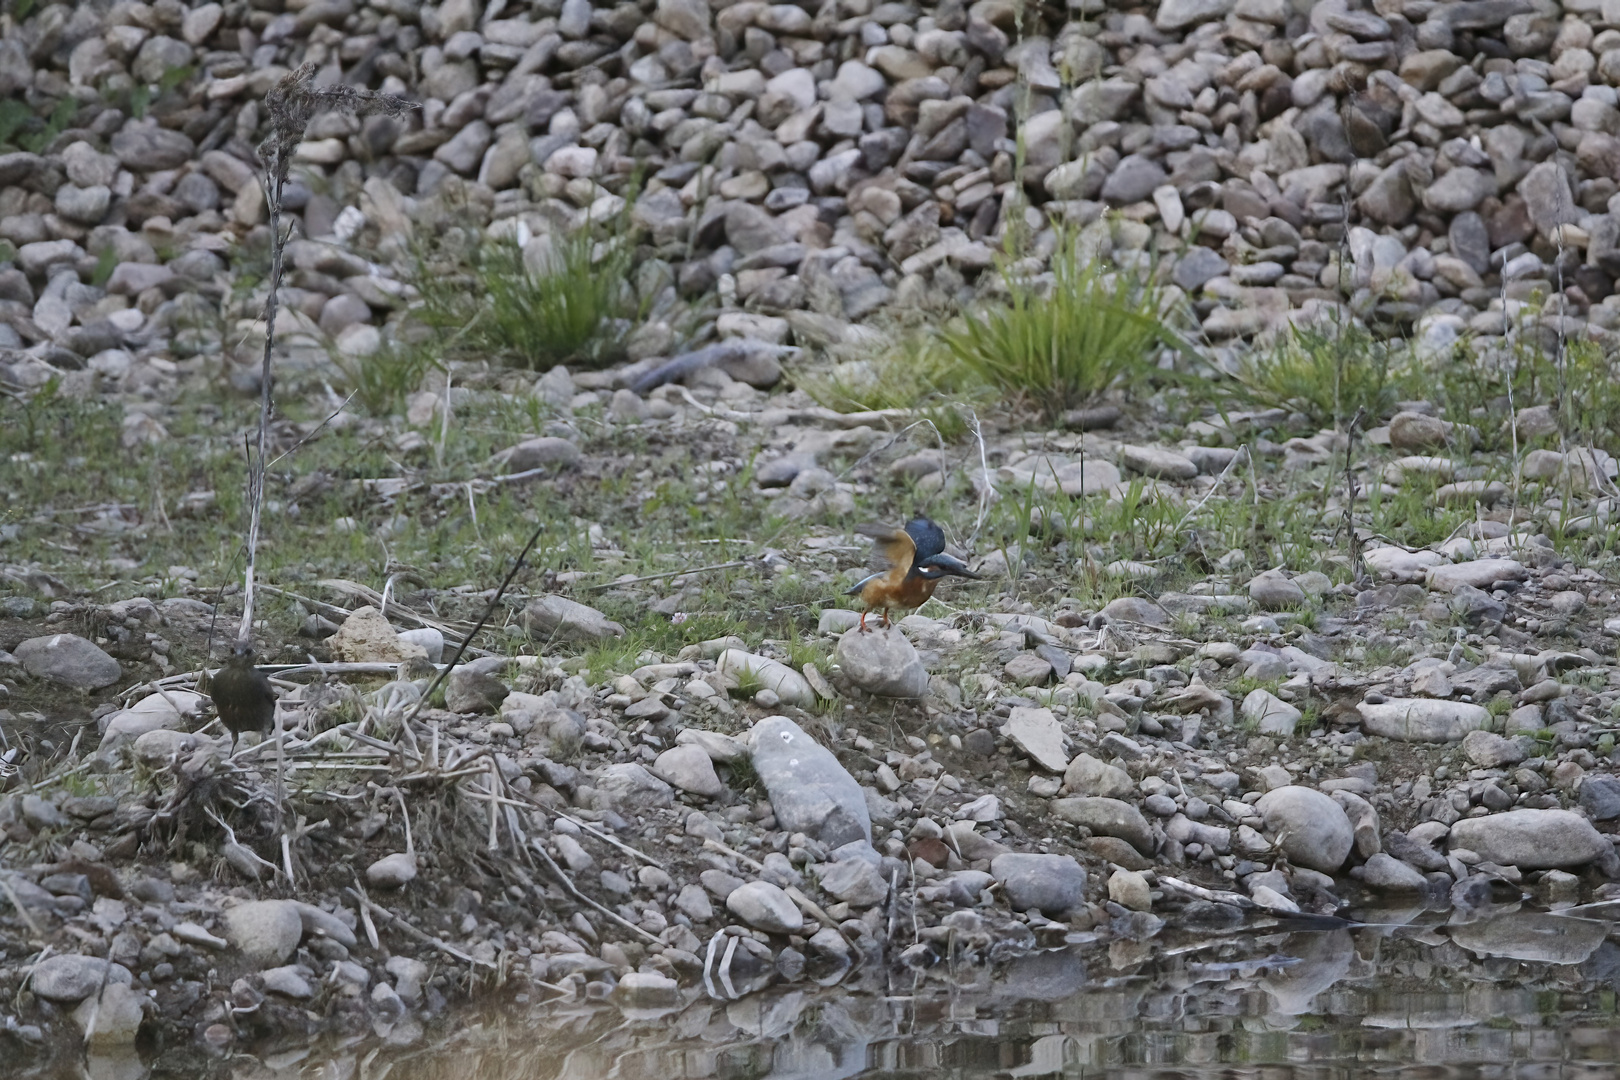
point(1228, 669)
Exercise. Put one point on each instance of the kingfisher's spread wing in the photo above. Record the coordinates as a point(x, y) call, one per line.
point(928, 538)
point(891, 548)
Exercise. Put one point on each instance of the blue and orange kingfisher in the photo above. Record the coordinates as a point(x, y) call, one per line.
point(909, 562)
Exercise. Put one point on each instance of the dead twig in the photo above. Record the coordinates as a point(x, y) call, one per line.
point(572, 890)
point(410, 931)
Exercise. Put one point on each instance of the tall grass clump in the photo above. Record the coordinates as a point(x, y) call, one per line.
point(1060, 347)
point(568, 301)
point(911, 371)
point(381, 381)
point(1326, 372)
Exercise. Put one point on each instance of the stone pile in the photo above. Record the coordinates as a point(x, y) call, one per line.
point(1423, 161)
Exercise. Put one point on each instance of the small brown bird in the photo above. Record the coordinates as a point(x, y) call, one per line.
point(242, 694)
point(909, 563)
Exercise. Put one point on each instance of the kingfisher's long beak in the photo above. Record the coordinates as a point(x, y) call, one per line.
point(946, 564)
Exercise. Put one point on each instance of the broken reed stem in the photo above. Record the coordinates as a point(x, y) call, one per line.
point(411, 931)
point(517, 564)
point(1357, 569)
point(291, 104)
point(572, 890)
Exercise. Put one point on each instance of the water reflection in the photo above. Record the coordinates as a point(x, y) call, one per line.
point(1505, 994)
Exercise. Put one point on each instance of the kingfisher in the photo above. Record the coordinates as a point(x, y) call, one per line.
point(909, 562)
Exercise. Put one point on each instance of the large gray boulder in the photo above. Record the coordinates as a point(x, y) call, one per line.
point(1531, 839)
point(68, 660)
point(810, 791)
point(1051, 884)
point(265, 931)
point(882, 662)
point(1309, 827)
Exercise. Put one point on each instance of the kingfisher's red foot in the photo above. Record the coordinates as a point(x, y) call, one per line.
point(862, 628)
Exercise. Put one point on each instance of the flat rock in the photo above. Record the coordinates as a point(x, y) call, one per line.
point(70, 978)
point(647, 990)
point(1398, 564)
point(626, 785)
point(1309, 827)
point(1423, 719)
point(690, 768)
point(883, 662)
point(288, 981)
point(1388, 874)
point(790, 687)
point(1478, 573)
point(267, 932)
point(765, 907)
point(1417, 431)
point(1270, 714)
point(318, 922)
point(557, 618)
point(1157, 462)
point(1489, 750)
point(1108, 817)
point(1037, 733)
point(1089, 777)
point(1135, 609)
point(113, 1022)
point(546, 451)
point(1273, 590)
point(810, 792)
point(856, 882)
point(392, 871)
point(1174, 15)
point(1028, 669)
point(68, 660)
point(1531, 839)
point(1130, 890)
point(367, 637)
point(1051, 884)
point(472, 691)
point(172, 711)
point(1600, 796)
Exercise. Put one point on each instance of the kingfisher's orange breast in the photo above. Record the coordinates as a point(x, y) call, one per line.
point(908, 592)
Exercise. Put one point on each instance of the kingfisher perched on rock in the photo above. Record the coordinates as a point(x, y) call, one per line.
point(909, 562)
point(242, 694)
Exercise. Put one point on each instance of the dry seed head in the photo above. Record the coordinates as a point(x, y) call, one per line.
point(295, 101)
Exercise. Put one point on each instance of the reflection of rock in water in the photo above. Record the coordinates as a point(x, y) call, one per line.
point(1323, 960)
point(1042, 976)
point(1551, 939)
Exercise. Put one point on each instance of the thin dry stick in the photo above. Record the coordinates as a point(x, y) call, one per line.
point(427, 939)
point(989, 487)
point(666, 574)
point(572, 890)
point(11, 894)
point(317, 429)
point(517, 565)
point(291, 105)
point(1357, 568)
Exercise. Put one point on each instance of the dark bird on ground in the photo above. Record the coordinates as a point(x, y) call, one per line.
point(909, 562)
point(242, 694)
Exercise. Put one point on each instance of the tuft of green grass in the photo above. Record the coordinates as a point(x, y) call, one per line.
point(912, 371)
point(105, 265)
point(59, 120)
point(1326, 373)
point(14, 117)
point(1062, 347)
point(575, 308)
point(383, 380)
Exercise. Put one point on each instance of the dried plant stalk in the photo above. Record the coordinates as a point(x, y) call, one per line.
point(291, 105)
